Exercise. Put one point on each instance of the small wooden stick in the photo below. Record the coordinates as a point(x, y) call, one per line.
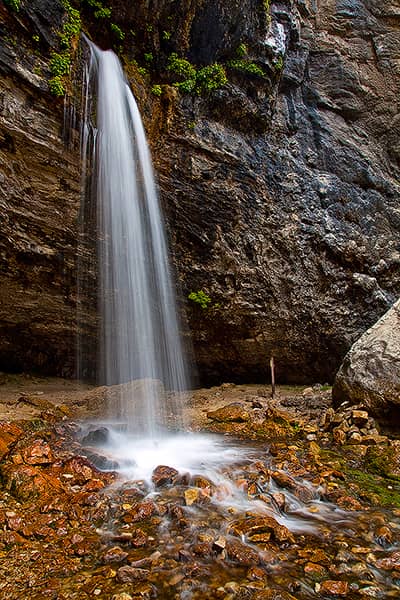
point(272, 365)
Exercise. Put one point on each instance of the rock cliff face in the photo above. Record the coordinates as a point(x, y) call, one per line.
point(280, 190)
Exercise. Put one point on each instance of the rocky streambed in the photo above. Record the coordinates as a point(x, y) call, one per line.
point(307, 506)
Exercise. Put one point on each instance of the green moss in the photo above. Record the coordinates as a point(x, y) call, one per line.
point(375, 489)
point(246, 66)
point(13, 4)
point(148, 57)
point(156, 90)
point(380, 460)
point(200, 298)
point(202, 81)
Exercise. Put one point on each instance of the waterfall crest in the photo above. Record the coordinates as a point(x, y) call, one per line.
point(140, 344)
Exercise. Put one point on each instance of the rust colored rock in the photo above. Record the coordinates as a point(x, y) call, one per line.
point(284, 480)
point(114, 555)
point(314, 570)
point(80, 469)
point(334, 588)
point(139, 539)
point(242, 553)
point(280, 500)
point(390, 563)
point(38, 453)
point(349, 503)
point(140, 511)
point(192, 496)
point(129, 574)
point(9, 434)
point(164, 475)
point(231, 413)
point(261, 529)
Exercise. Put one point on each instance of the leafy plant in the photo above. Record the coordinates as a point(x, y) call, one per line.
point(148, 57)
point(60, 62)
point(241, 50)
point(181, 67)
point(278, 66)
point(103, 13)
point(156, 90)
point(246, 66)
point(211, 78)
point(56, 86)
point(117, 31)
point(200, 298)
point(166, 35)
point(13, 4)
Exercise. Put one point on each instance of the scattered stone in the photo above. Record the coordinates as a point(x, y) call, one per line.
point(334, 588)
point(97, 437)
point(115, 554)
point(242, 553)
point(164, 475)
point(191, 496)
point(234, 412)
point(129, 574)
point(38, 453)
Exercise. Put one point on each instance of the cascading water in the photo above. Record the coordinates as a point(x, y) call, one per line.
point(140, 345)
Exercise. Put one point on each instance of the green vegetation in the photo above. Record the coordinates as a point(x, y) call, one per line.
point(279, 64)
point(156, 90)
point(202, 81)
point(60, 62)
point(148, 57)
point(246, 66)
point(166, 35)
point(13, 4)
point(211, 78)
point(241, 50)
point(117, 31)
point(181, 67)
point(200, 298)
point(103, 13)
point(375, 489)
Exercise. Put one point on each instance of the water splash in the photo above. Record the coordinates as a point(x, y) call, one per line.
point(139, 332)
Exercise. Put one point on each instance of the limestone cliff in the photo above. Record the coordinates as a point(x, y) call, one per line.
point(281, 188)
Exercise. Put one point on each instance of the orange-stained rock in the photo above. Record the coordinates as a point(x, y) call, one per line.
point(38, 453)
point(334, 588)
point(242, 553)
point(164, 475)
point(260, 529)
point(9, 434)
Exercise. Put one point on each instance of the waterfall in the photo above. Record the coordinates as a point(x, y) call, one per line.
point(139, 339)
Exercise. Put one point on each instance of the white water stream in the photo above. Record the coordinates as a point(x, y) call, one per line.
point(139, 329)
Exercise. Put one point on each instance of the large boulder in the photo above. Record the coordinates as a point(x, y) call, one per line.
point(370, 372)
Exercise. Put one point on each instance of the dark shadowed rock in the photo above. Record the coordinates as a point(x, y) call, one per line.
point(370, 372)
point(163, 475)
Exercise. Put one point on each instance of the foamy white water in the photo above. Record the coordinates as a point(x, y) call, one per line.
point(139, 329)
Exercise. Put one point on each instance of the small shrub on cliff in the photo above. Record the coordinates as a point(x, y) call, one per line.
point(117, 31)
point(200, 298)
point(13, 4)
point(156, 90)
point(211, 78)
point(181, 67)
point(246, 66)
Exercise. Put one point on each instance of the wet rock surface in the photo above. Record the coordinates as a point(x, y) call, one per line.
point(298, 518)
